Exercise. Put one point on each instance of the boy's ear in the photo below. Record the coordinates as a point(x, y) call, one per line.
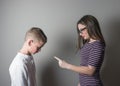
point(30, 42)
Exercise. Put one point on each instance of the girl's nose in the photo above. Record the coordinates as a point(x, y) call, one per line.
point(80, 34)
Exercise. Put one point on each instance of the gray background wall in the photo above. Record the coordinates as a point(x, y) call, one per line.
point(58, 20)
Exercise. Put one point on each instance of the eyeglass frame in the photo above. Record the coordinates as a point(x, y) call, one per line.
point(80, 30)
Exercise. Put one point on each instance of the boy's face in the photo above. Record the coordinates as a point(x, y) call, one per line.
point(36, 46)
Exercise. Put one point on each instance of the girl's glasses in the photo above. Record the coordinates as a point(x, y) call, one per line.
point(81, 30)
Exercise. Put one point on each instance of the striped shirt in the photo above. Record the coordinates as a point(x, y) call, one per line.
point(92, 54)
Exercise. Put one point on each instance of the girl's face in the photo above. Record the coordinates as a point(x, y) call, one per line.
point(83, 31)
point(36, 47)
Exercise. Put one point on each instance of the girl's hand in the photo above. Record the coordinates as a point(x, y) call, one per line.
point(62, 63)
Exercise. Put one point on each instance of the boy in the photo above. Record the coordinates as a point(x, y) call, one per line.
point(22, 69)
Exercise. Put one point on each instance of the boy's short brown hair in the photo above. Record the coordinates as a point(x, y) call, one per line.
point(36, 34)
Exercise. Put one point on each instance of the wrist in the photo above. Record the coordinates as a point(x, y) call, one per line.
point(68, 66)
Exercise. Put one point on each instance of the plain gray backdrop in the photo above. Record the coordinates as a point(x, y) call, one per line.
point(58, 20)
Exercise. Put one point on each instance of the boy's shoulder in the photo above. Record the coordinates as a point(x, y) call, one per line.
point(19, 59)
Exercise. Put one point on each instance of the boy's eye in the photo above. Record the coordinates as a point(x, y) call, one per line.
point(38, 48)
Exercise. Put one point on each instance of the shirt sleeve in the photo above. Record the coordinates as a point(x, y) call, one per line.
point(96, 55)
point(19, 76)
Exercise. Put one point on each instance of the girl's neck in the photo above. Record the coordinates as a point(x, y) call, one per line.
point(92, 40)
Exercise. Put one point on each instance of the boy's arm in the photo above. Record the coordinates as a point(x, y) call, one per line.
point(19, 76)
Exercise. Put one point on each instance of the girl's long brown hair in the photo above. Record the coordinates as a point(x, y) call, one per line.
point(93, 29)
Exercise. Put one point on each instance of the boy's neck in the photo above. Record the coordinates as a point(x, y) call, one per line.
point(25, 51)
